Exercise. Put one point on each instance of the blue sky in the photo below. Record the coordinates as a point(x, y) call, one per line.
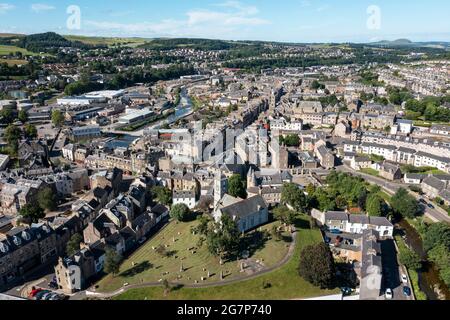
point(275, 20)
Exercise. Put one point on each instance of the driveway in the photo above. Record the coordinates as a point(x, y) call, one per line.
point(392, 271)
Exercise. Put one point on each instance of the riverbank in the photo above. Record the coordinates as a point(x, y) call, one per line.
point(428, 278)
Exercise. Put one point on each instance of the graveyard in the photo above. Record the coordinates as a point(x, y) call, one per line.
point(176, 255)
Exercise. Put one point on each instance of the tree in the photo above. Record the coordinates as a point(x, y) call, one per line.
point(293, 196)
point(57, 118)
point(404, 204)
point(47, 199)
point(317, 265)
point(162, 194)
point(437, 234)
point(440, 255)
point(23, 116)
point(180, 212)
point(410, 259)
point(237, 187)
point(30, 131)
point(32, 213)
point(310, 189)
point(203, 223)
point(292, 140)
point(73, 245)
point(7, 115)
point(284, 214)
point(223, 238)
point(12, 136)
point(375, 205)
point(112, 261)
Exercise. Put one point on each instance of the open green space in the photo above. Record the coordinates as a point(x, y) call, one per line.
point(150, 264)
point(6, 50)
point(370, 171)
point(12, 62)
point(282, 284)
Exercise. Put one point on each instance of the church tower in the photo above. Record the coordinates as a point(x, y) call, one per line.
point(251, 178)
point(220, 186)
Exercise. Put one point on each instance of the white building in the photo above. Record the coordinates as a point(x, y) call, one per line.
point(187, 197)
point(354, 223)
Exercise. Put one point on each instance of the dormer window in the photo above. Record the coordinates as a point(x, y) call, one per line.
point(17, 241)
point(26, 236)
point(4, 247)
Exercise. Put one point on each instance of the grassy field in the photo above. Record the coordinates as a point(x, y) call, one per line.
point(281, 284)
point(370, 171)
point(5, 50)
point(131, 42)
point(11, 62)
point(150, 265)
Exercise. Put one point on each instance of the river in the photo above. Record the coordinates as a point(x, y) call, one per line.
point(182, 110)
point(429, 281)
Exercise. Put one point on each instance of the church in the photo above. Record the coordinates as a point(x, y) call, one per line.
point(247, 213)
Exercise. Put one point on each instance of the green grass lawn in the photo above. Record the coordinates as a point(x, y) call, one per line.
point(370, 171)
point(150, 265)
point(5, 50)
point(284, 283)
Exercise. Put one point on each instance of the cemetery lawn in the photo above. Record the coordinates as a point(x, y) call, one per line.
point(149, 265)
point(281, 284)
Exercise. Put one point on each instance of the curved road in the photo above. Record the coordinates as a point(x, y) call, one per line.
point(84, 294)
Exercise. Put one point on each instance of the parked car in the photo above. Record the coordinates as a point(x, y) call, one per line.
point(47, 296)
point(422, 200)
point(41, 294)
point(407, 291)
point(389, 294)
point(404, 279)
point(335, 231)
point(430, 206)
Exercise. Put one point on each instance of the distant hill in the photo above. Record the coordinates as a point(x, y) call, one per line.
point(409, 43)
point(9, 35)
point(42, 42)
point(192, 43)
point(106, 41)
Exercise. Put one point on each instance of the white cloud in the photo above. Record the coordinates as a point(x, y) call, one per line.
point(41, 7)
point(323, 8)
point(5, 7)
point(305, 3)
point(233, 17)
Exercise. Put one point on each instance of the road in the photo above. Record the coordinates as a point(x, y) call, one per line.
point(437, 214)
point(392, 271)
